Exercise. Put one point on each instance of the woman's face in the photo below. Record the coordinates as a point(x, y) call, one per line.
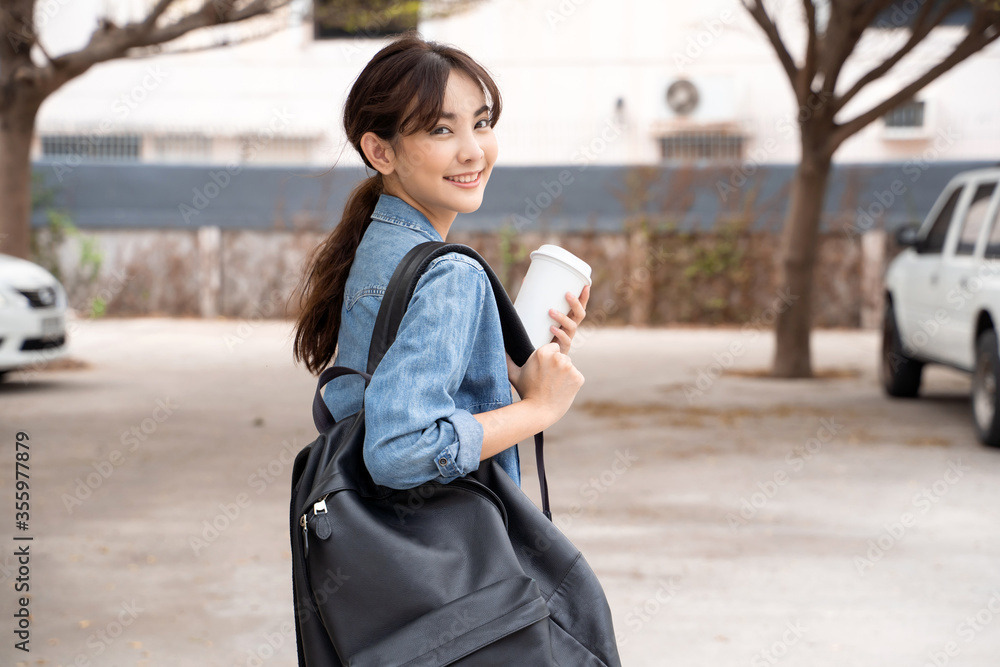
point(444, 170)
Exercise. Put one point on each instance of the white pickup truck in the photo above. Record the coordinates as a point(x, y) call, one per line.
point(942, 300)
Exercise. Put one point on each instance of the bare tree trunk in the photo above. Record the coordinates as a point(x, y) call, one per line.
point(792, 355)
point(17, 127)
point(24, 83)
point(640, 279)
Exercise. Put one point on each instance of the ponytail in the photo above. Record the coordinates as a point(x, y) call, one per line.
point(322, 296)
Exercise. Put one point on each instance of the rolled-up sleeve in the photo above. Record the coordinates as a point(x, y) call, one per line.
point(414, 433)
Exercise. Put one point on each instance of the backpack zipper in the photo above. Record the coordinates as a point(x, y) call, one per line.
point(319, 507)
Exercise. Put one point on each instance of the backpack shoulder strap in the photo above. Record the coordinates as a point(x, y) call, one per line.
point(397, 298)
point(404, 282)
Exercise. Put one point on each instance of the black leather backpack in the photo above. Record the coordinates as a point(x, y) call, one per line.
point(465, 573)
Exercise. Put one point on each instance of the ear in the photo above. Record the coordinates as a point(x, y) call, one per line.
point(379, 153)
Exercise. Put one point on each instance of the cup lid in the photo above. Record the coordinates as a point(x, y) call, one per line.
point(566, 257)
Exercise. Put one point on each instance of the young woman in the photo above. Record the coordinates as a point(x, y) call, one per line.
point(421, 115)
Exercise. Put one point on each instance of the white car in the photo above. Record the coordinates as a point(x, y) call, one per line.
point(32, 315)
point(943, 297)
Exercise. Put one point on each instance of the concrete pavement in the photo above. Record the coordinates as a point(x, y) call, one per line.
point(734, 519)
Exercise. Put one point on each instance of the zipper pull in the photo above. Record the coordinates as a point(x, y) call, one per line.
point(322, 525)
point(305, 534)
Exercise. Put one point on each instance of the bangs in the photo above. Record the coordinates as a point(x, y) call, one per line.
point(426, 86)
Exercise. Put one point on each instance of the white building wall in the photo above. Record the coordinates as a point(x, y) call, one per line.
point(562, 66)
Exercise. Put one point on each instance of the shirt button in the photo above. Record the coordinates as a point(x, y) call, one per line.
point(443, 462)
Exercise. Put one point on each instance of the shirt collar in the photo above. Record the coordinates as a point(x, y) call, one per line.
point(395, 211)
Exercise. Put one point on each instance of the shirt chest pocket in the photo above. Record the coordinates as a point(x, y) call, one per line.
point(354, 296)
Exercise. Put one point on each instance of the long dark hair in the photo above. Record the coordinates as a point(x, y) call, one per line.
point(399, 92)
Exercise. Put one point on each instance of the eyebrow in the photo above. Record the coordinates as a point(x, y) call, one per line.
point(447, 115)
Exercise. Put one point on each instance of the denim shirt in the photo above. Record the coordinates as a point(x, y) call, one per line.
point(447, 363)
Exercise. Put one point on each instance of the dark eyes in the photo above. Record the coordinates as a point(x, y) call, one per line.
point(480, 124)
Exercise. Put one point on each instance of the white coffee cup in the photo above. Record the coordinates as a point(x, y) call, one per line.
point(553, 272)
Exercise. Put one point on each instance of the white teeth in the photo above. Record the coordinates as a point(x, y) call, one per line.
point(464, 179)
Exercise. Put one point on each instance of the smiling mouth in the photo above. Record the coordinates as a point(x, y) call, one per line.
point(465, 179)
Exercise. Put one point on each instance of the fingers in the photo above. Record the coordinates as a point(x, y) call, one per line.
point(568, 323)
point(578, 305)
point(547, 350)
point(562, 337)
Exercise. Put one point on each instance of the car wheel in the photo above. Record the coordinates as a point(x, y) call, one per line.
point(900, 374)
point(985, 378)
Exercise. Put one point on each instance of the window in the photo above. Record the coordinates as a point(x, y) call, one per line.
point(278, 150)
point(910, 114)
point(93, 146)
point(337, 19)
point(182, 147)
point(902, 14)
point(993, 243)
point(974, 219)
point(696, 145)
point(934, 243)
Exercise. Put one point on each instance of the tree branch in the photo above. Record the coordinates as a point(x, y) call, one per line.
point(155, 51)
point(981, 33)
point(759, 14)
point(224, 12)
point(41, 47)
point(844, 31)
point(808, 71)
point(114, 42)
point(921, 28)
point(155, 13)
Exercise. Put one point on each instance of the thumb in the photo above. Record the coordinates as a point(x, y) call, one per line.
point(513, 372)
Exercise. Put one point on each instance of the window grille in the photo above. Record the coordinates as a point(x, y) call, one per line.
point(92, 147)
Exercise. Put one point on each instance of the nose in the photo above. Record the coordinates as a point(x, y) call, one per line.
point(470, 150)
